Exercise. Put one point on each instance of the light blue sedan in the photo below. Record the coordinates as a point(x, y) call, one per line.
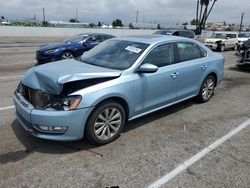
point(121, 79)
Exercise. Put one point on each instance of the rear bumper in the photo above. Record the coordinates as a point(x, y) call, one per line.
point(30, 118)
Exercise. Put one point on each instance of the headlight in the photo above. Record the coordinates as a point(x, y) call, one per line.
point(65, 104)
point(52, 51)
point(71, 103)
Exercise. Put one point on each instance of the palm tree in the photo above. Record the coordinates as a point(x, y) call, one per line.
point(203, 15)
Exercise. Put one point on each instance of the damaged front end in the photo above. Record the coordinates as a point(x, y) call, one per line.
point(64, 101)
point(43, 101)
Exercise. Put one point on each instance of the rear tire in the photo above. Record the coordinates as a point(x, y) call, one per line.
point(105, 123)
point(207, 89)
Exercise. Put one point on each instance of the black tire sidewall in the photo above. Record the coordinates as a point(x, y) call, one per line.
point(222, 47)
point(89, 129)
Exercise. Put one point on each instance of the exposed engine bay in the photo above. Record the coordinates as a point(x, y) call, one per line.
point(43, 101)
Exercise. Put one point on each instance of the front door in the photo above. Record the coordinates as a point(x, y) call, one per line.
point(153, 90)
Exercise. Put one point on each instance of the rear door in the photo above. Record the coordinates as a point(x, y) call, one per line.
point(192, 68)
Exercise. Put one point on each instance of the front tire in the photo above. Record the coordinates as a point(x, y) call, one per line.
point(67, 55)
point(105, 123)
point(207, 89)
point(222, 48)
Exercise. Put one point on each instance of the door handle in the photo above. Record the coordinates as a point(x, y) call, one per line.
point(174, 75)
point(204, 67)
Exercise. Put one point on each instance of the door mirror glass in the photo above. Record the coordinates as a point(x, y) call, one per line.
point(147, 68)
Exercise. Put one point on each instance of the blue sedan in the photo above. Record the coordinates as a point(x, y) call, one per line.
point(70, 48)
point(119, 80)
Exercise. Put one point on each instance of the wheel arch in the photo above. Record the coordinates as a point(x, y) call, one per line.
point(68, 50)
point(214, 75)
point(118, 99)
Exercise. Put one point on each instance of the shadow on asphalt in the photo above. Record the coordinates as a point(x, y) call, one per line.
point(245, 68)
point(32, 144)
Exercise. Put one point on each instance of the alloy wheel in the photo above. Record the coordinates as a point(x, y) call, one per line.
point(107, 123)
point(67, 55)
point(208, 89)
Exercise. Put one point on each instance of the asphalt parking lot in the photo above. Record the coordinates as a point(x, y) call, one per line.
point(149, 148)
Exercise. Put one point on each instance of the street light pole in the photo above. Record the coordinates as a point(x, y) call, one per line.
point(137, 14)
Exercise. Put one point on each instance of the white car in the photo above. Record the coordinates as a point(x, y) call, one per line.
point(222, 40)
point(242, 37)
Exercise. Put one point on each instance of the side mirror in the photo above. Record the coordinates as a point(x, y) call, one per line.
point(82, 43)
point(147, 68)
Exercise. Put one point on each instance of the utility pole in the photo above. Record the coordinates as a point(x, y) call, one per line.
point(137, 14)
point(43, 15)
point(76, 16)
point(241, 21)
point(143, 19)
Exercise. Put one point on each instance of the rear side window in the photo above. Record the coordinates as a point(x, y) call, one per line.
point(233, 36)
point(189, 51)
point(188, 34)
point(105, 37)
point(160, 56)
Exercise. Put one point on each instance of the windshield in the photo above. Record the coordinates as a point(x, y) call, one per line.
point(114, 54)
point(244, 35)
point(76, 39)
point(219, 36)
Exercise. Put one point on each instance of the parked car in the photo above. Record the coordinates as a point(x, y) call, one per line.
point(222, 40)
point(121, 79)
point(177, 32)
point(243, 54)
point(69, 48)
point(242, 37)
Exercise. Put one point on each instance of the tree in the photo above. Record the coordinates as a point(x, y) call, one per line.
point(131, 26)
point(158, 26)
point(91, 25)
point(202, 13)
point(194, 22)
point(73, 20)
point(2, 17)
point(117, 23)
point(99, 24)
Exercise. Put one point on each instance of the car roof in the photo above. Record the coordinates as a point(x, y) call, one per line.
point(151, 39)
point(173, 30)
point(226, 32)
point(93, 34)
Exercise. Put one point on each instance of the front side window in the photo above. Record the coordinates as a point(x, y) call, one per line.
point(189, 51)
point(160, 56)
point(95, 39)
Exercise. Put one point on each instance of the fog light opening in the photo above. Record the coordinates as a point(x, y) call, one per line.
point(49, 129)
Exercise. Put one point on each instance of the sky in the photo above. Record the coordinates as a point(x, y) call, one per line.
point(158, 11)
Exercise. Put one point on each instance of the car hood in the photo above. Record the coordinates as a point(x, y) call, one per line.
point(51, 77)
point(213, 40)
point(56, 45)
point(242, 39)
